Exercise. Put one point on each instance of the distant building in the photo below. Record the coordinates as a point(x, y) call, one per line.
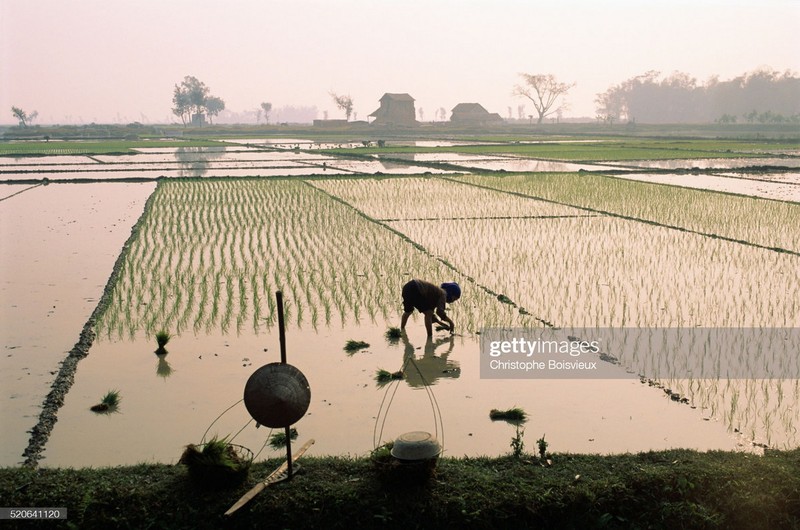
point(474, 114)
point(396, 110)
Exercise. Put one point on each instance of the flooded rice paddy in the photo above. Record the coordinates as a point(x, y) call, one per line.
point(531, 251)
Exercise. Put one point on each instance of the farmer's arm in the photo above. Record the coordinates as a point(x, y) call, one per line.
point(443, 316)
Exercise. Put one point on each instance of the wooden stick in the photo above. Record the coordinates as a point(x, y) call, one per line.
point(276, 476)
point(281, 326)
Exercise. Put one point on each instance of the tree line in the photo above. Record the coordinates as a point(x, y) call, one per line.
point(763, 96)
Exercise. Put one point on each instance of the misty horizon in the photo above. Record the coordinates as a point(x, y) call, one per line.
point(87, 62)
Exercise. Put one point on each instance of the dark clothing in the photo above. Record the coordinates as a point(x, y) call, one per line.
point(423, 296)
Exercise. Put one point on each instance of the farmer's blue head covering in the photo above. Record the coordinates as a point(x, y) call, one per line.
point(452, 290)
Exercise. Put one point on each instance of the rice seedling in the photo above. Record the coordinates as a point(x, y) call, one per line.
point(353, 346)
point(542, 445)
point(517, 444)
point(385, 376)
point(162, 338)
point(393, 334)
point(108, 403)
point(278, 439)
point(512, 415)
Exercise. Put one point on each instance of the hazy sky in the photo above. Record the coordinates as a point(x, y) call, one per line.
point(108, 61)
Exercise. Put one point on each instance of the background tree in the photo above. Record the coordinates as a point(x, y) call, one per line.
point(764, 96)
point(23, 117)
point(421, 113)
point(344, 103)
point(214, 106)
point(610, 106)
point(544, 92)
point(442, 114)
point(267, 108)
point(192, 98)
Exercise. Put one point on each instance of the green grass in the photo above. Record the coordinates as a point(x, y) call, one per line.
point(605, 150)
point(666, 489)
point(75, 147)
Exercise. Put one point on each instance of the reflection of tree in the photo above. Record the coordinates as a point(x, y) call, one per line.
point(194, 161)
point(425, 370)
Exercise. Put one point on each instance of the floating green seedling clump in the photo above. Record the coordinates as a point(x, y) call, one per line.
point(393, 334)
point(278, 440)
point(515, 414)
point(108, 404)
point(353, 346)
point(162, 338)
point(384, 376)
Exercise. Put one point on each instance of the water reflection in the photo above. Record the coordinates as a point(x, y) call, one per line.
point(163, 369)
point(425, 370)
point(195, 161)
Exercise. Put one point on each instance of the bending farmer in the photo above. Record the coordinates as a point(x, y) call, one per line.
point(426, 297)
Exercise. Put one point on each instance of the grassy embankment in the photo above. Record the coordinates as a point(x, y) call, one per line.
point(95, 147)
point(605, 150)
point(667, 489)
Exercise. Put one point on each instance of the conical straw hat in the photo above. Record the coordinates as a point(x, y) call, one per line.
point(277, 395)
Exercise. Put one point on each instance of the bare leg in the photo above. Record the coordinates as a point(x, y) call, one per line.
point(429, 322)
point(404, 320)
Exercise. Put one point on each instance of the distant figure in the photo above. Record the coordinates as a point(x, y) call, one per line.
point(426, 298)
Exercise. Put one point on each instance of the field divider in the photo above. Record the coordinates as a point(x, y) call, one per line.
point(21, 191)
point(40, 433)
point(489, 217)
point(488, 290)
point(627, 217)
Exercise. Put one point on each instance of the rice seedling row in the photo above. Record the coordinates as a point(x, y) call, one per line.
point(208, 251)
point(758, 221)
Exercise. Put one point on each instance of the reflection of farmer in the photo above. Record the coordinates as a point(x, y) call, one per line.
point(421, 371)
point(426, 298)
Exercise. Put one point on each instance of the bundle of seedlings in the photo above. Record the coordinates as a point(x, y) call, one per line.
point(353, 346)
point(217, 463)
point(384, 376)
point(393, 335)
point(108, 403)
point(512, 415)
point(278, 440)
point(162, 338)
